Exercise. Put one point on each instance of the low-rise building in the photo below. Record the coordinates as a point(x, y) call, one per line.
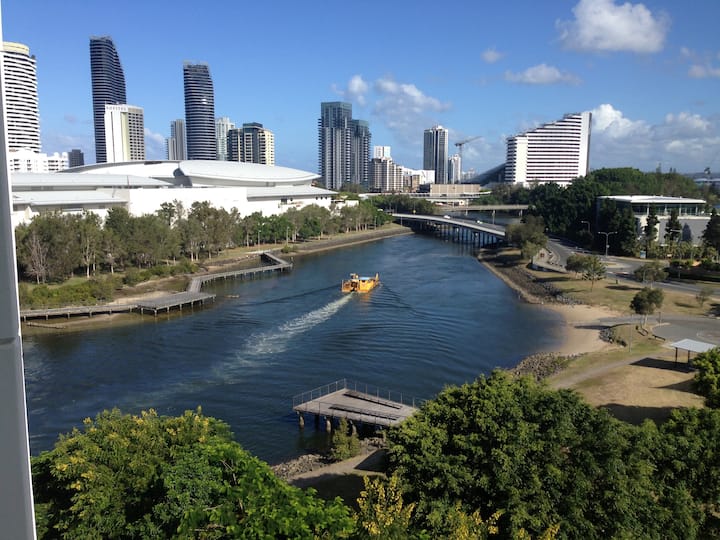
point(142, 187)
point(691, 213)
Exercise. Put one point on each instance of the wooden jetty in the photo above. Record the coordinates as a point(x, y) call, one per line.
point(356, 402)
point(173, 301)
point(191, 297)
point(105, 309)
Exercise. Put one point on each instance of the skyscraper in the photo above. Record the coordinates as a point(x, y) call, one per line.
point(199, 112)
point(124, 133)
point(21, 97)
point(76, 158)
point(222, 125)
point(344, 146)
point(108, 87)
point(251, 144)
point(435, 153)
point(554, 152)
point(176, 148)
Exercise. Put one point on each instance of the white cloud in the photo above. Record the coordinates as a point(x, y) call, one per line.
point(601, 25)
point(154, 145)
point(405, 109)
point(682, 140)
point(491, 55)
point(355, 92)
point(542, 74)
point(697, 71)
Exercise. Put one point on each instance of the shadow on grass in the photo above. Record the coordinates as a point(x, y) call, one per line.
point(634, 414)
point(622, 288)
point(684, 386)
point(685, 305)
point(659, 363)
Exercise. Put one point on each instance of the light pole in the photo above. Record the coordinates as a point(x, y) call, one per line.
point(588, 225)
point(607, 240)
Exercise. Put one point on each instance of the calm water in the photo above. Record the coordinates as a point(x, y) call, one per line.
point(438, 318)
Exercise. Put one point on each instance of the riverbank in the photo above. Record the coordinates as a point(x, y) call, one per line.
point(245, 258)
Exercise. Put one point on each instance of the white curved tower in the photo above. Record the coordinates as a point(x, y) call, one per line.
point(21, 97)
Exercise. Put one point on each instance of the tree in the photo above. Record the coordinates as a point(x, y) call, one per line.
point(576, 263)
point(650, 230)
point(594, 270)
point(90, 232)
point(673, 228)
point(711, 234)
point(545, 457)
point(704, 294)
point(651, 272)
point(344, 445)
point(646, 301)
point(707, 376)
point(145, 476)
point(529, 235)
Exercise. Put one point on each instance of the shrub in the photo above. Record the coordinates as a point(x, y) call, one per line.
point(344, 445)
point(707, 377)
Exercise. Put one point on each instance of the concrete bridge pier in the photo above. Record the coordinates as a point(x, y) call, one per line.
point(328, 424)
point(301, 420)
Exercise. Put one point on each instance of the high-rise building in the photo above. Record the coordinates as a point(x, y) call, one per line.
point(176, 142)
point(455, 169)
point(199, 112)
point(76, 158)
point(381, 151)
point(124, 133)
point(344, 146)
point(435, 153)
point(251, 144)
point(385, 175)
point(21, 97)
point(360, 153)
point(554, 152)
point(222, 125)
point(108, 87)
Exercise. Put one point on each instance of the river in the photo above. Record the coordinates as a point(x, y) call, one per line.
point(438, 318)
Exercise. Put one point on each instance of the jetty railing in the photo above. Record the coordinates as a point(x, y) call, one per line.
point(369, 392)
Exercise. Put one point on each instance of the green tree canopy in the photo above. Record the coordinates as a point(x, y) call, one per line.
point(145, 476)
point(545, 457)
point(650, 272)
point(646, 301)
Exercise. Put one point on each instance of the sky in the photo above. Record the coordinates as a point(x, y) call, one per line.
point(648, 71)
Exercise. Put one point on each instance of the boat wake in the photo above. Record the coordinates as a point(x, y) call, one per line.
point(276, 341)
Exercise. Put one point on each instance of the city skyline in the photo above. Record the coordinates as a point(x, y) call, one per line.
point(649, 72)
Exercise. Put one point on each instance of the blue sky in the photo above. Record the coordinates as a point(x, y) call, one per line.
point(649, 72)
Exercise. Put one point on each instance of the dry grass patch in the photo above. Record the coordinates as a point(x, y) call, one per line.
point(634, 383)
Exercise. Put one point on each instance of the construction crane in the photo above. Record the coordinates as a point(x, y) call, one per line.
point(460, 145)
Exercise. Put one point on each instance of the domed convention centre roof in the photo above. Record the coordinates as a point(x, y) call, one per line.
point(205, 173)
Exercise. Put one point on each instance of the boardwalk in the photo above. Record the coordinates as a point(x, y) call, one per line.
point(355, 402)
point(190, 297)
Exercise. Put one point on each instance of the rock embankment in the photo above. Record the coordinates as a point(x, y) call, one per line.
point(300, 465)
point(541, 365)
point(316, 461)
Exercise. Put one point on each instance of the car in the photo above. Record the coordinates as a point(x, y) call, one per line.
point(447, 217)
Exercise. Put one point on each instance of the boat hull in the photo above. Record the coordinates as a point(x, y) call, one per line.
point(360, 284)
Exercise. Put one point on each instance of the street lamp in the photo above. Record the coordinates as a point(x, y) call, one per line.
point(607, 240)
point(586, 223)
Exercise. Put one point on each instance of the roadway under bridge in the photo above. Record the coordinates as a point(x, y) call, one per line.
point(464, 231)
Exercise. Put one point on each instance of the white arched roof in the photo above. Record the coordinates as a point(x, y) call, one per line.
point(205, 173)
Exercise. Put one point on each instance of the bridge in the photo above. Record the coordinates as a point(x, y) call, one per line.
point(464, 231)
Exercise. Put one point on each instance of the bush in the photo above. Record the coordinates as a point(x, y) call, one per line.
point(707, 377)
point(344, 445)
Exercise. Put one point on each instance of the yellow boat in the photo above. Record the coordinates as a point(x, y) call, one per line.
point(359, 284)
